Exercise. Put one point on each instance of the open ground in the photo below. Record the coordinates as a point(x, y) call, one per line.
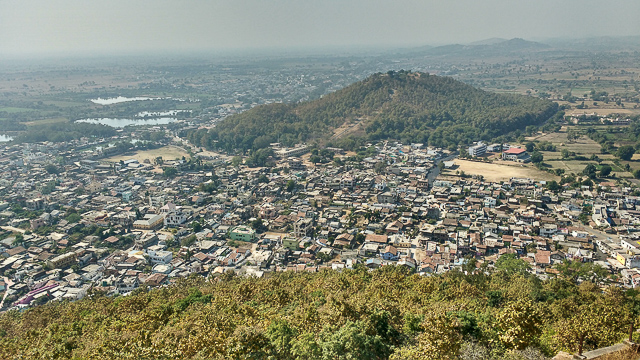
point(499, 172)
point(166, 152)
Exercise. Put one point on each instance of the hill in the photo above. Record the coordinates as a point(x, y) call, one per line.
point(353, 314)
point(406, 106)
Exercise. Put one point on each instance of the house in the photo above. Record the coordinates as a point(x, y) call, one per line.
point(548, 230)
point(600, 216)
point(173, 216)
point(149, 222)
point(390, 253)
point(343, 241)
point(517, 155)
point(159, 256)
point(386, 198)
point(291, 243)
point(242, 233)
point(378, 239)
point(303, 227)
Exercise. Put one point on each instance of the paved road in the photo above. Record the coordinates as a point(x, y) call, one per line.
point(6, 292)
point(433, 174)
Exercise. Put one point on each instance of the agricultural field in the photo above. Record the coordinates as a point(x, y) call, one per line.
point(585, 151)
point(166, 152)
point(502, 171)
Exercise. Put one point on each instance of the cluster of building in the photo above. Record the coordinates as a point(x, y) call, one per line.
point(114, 227)
point(508, 153)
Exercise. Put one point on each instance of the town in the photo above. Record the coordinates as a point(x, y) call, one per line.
point(75, 222)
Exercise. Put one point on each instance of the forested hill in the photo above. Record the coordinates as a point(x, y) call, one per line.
point(388, 313)
point(405, 106)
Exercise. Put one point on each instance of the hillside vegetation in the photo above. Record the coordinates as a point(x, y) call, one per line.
point(406, 106)
point(354, 314)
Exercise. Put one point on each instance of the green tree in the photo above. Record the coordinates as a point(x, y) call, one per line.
point(518, 323)
point(236, 160)
point(553, 185)
point(625, 152)
point(196, 226)
point(590, 171)
point(536, 157)
point(530, 146)
point(169, 172)
point(291, 184)
point(440, 340)
point(605, 170)
point(52, 169)
point(510, 264)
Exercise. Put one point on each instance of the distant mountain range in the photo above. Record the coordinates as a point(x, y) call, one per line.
point(489, 47)
point(406, 106)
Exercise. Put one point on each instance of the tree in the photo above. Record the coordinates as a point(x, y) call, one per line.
point(530, 146)
point(565, 153)
point(440, 340)
point(636, 174)
point(553, 185)
point(625, 152)
point(536, 157)
point(73, 218)
point(169, 172)
point(196, 226)
point(236, 160)
point(605, 170)
point(380, 167)
point(590, 171)
point(52, 169)
point(315, 159)
point(518, 323)
point(291, 184)
point(509, 264)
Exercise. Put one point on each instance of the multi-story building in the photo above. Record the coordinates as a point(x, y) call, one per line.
point(517, 155)
point(478, 150)
point(303, 227)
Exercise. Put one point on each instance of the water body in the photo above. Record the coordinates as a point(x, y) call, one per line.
point(120, 123)
point(119, 99)
point(5, 138)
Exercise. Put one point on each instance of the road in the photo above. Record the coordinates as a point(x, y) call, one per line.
point(6, 292)
point(433, 174)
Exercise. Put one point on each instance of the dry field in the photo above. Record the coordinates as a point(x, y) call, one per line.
point(582, 146)
point(500, 172)
point(167, 153)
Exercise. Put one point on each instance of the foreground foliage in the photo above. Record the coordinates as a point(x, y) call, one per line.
point(354, 314)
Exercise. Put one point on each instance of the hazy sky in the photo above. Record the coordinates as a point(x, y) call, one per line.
point(96, 27)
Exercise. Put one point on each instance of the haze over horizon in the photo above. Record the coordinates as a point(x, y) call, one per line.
point(38, 27)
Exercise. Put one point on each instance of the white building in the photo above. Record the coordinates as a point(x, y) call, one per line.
point(173, 215)
point(162, 257)
point(478, 150)
point(490, 202)
point(600, 215)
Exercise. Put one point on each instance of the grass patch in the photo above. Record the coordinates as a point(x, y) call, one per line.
point(13, 110)
point(46, 121)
